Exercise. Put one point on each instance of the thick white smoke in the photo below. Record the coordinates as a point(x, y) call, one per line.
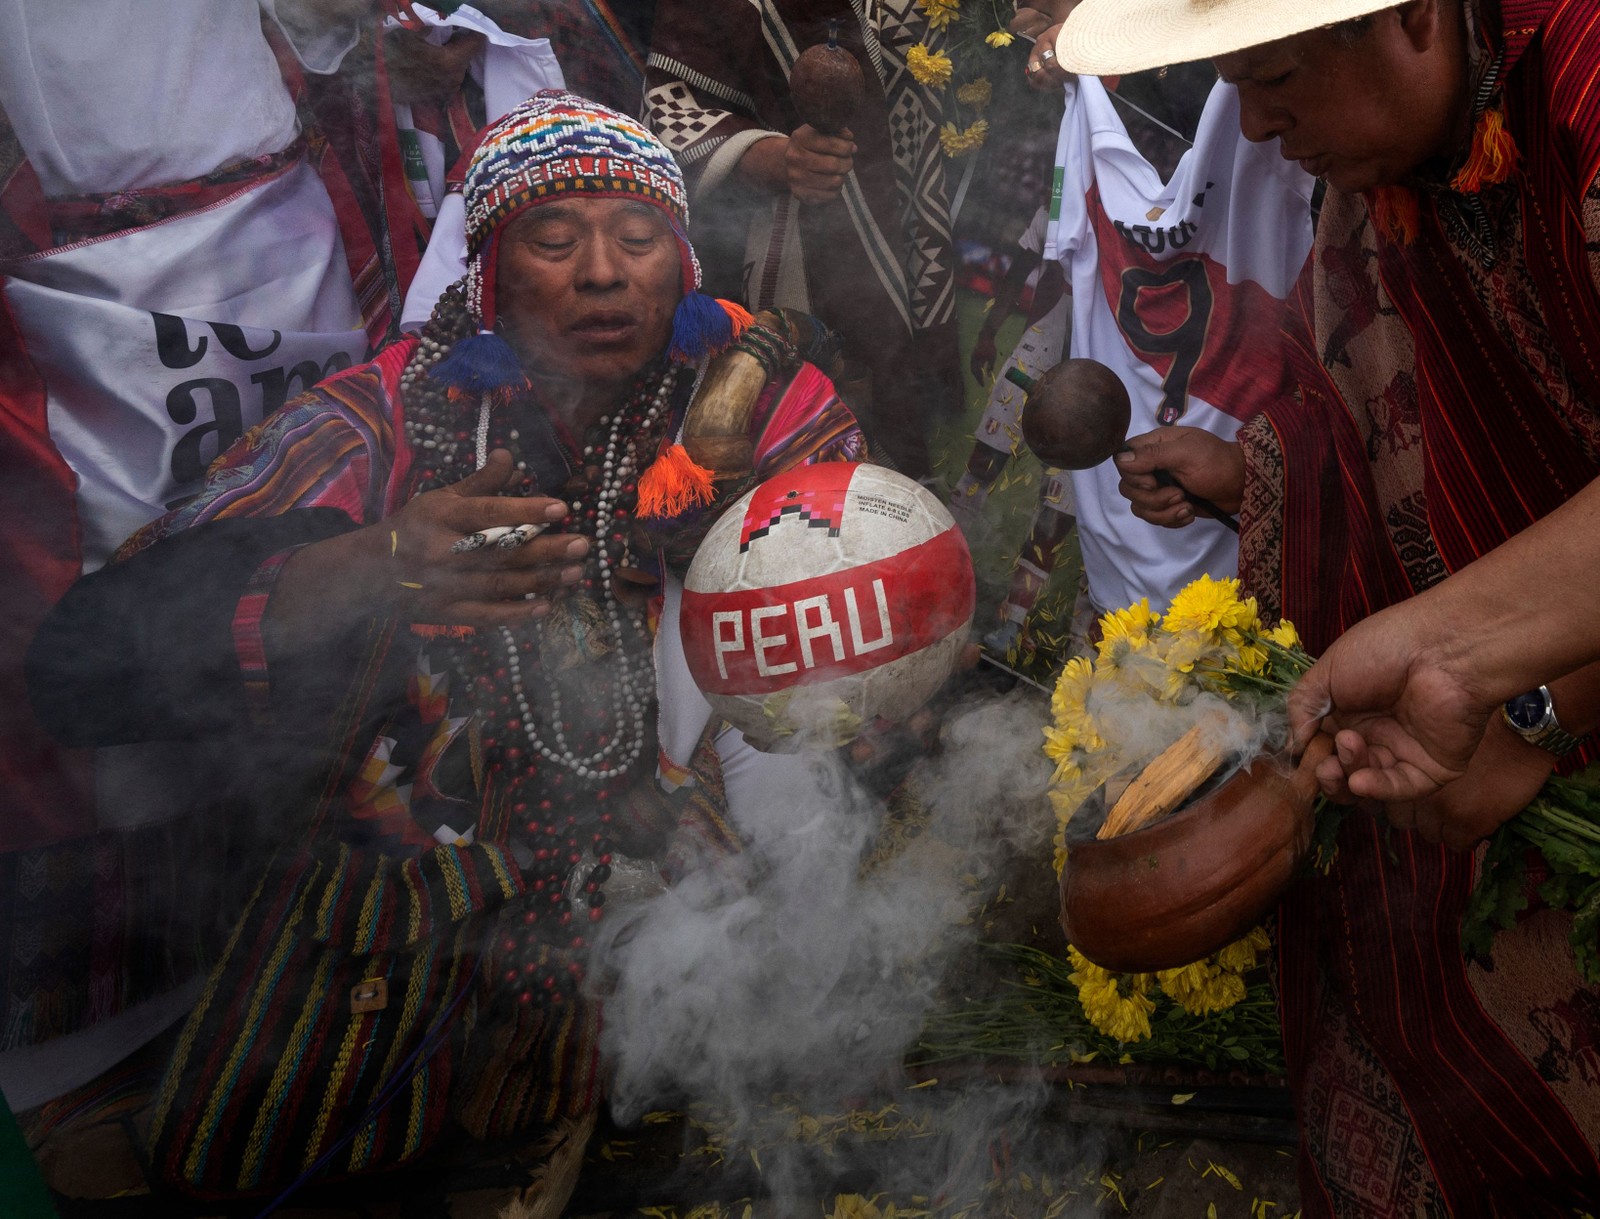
point(788, 966)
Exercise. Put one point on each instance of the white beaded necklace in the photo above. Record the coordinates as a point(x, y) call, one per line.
point(634, 684)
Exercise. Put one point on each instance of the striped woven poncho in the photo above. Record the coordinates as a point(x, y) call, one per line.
point(1449, 396)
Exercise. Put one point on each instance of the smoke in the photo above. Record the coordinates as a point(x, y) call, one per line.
point(1135, 713)
point(1142, 727)
point(806, 963)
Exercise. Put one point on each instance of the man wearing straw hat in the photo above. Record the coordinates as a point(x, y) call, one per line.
point(1446, 337)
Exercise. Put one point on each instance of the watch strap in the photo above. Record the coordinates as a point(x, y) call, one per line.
point(1549, 735)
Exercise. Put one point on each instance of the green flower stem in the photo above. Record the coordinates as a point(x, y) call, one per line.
point(1561, 820)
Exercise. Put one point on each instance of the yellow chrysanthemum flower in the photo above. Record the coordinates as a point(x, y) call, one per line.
point(931, 68)
point(1068, 773)
point(1220, 992)
point(1073, 783)
point(940, 13)
point(1070, 698)
point(1125, 630)
point(1000, 38)
point(1178, 687)
point(1116, 1004)
point(1059, 744)
point(959, 143)
point(1202, 988)
point(1284, 634)
point(1252, 656)
point(1242, 955)
point(1090, 742)
point(1183, 980)
point(1132, 673)
point(1188, 649)
point(1212, 606)
point(854, 1206)
point(975, 93)
point(1237, 957)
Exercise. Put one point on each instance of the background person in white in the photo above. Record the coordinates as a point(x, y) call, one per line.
point(117, 97)
point(1176, 287)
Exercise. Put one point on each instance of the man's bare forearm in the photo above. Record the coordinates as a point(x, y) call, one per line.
point(1528, 611)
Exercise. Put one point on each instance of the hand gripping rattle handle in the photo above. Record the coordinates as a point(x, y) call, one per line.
point(1076, 416)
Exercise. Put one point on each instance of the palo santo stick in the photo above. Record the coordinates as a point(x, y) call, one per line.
point(1168, 781)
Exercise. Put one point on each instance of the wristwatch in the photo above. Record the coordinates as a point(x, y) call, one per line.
point(1532, 716)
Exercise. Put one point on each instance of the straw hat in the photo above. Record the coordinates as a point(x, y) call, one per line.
point(1107, 37)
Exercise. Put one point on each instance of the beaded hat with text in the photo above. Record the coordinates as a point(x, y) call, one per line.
point(557, 145)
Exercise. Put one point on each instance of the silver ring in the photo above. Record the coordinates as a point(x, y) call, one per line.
point(1046, 55)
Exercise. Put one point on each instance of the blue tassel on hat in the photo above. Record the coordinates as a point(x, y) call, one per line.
point(481, 364)
point(703, 325)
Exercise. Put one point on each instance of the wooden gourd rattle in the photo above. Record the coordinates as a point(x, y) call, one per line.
point(826, 85)
point(1076, 415)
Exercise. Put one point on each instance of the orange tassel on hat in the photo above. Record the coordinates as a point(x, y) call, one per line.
point(1494, 154)
point(738, 316)
point(674, 483)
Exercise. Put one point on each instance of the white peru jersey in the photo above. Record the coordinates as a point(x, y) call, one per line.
point(1179, 288)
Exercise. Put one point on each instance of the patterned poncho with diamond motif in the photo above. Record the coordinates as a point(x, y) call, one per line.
point(878, 263)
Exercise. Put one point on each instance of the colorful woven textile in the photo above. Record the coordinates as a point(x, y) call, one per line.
point(557, 145)
point(276, 1064)
point(1450, 395)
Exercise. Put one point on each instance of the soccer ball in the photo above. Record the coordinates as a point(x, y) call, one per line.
point(831, 595)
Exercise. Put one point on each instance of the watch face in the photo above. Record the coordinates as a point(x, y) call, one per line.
point(1527, 711)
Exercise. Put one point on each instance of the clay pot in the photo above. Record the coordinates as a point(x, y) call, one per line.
point(1193, 882)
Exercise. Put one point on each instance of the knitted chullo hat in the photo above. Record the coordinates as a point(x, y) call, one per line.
point(558, 145)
